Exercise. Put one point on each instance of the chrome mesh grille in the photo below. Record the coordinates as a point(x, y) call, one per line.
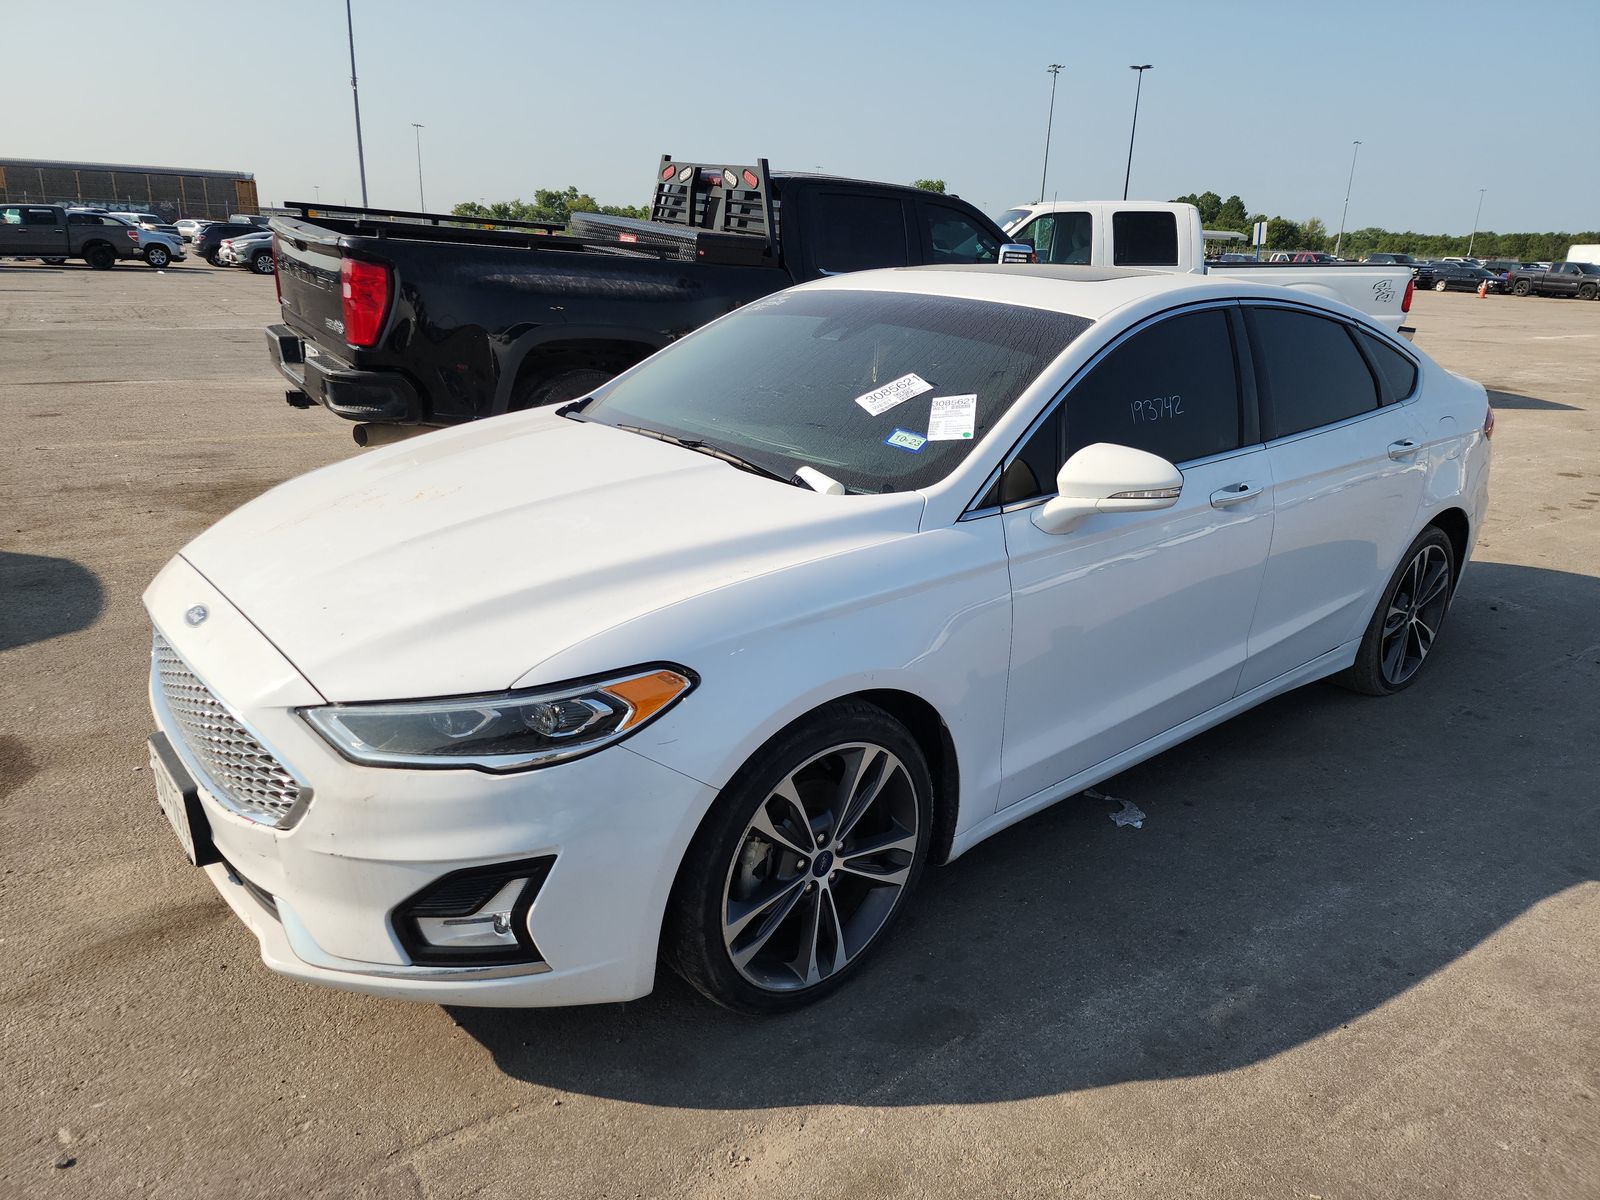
point(239, 769)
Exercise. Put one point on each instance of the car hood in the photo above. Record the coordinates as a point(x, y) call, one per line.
point(458, 561)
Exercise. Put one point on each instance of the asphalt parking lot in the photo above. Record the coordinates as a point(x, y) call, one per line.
point(1354, 950)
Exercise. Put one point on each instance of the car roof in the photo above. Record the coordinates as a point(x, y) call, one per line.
point(1088, 292)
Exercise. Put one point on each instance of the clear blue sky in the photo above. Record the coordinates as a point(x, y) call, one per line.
point(1259, 97)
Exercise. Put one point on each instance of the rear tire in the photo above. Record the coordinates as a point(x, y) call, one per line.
point(100, 257)
point(776, 906)
point(1440, 285)
point(1523, 287)
point(558, 388)
point(54, 262)
point(214, 258)
point(1405, 627)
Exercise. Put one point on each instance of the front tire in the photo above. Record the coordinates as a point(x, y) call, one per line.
point(1405, 627)
point(157, 256)
point(54, 262)
point(262, 263)
point(804, 862)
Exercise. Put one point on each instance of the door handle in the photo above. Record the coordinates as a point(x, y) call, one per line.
point(1404, 448)
point(1234, 493)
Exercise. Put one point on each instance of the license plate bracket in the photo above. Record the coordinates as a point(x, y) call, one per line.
point(179, 798)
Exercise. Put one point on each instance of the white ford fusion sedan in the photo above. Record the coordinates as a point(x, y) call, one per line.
point(712, 663)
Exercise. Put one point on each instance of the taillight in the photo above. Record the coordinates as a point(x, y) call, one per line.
point(1488, 422)
point(133, 234)
point(1405, 301)
point(277, 280)
point(365, 289)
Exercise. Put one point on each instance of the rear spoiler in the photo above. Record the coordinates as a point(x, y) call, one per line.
point(718, 197)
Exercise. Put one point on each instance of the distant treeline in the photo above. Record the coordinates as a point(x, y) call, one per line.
point(548, 205)
point(1312, 234)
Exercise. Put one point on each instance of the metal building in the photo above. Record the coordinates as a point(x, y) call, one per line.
point(170, 192)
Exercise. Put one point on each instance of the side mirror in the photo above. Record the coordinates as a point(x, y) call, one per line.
point(1017, 252)
point(1108, 478)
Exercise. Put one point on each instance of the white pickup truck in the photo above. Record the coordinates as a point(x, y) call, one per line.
point(1168, 237)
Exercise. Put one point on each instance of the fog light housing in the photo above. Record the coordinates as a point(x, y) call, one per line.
point(474, 917)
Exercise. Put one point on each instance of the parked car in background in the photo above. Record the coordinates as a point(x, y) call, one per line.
point(1393, 260)
point(209, 240)
point(1562, 279)
point(146, 220)
point(1455, 258)
point(158, 249)
point(190, 228)
point(380, 327)
point(55, 234)
point(253, 251)
point(707, 667)
point(1446, 276)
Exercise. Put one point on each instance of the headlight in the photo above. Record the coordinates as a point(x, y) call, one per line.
point(511, 731)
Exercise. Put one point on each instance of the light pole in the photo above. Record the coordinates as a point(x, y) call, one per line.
point(1475, 217)
point(317, 188)
point(1054, 69)
point(1136, 89)
point(422, 205)
point(1346, 211)
point(355, 94)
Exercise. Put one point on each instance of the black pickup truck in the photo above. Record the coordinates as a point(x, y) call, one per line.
point(394, 318)
point(1562, 279)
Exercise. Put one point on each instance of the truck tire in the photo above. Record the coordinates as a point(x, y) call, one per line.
point(100, 256)
point(563, 385)
point(1588, 292)
point(157, 256)
point(1440, 285)
point(1523, 287)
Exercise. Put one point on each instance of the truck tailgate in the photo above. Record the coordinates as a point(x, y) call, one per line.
point(308, 274)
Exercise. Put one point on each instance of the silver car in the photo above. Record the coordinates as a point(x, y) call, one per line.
point(253, 251)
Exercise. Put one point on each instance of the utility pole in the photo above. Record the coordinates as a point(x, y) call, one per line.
point(1340, 241)
point(1475, 217)
point(1136, 90)
point(422, 205)
point(1054, 69)
point(355, 94)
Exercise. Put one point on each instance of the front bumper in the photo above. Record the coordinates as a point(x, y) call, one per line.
point(323, 894)
point(384, 397)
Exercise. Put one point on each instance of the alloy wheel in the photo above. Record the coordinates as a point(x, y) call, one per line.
point(1416, 609)
point(820, 868)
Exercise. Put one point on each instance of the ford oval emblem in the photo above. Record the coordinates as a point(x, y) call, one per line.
point(197, 614)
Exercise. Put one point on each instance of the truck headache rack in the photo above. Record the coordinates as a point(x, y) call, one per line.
point(355, 212)
point(701, 212)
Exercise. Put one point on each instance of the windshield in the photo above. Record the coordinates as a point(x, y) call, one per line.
point(1010, 217)
point(882, 391)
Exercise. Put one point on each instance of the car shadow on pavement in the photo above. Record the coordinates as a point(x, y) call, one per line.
point(1514, 400)
point(1299, 866)
point(42, 598)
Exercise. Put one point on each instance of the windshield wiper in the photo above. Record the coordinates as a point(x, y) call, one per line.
point(717, 452)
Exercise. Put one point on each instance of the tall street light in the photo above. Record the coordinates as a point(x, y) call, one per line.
point(1054, 69)
point(1136, 89)
point(355, 94)
point(422, 205)
point(1340, 241)
point(1475, 217)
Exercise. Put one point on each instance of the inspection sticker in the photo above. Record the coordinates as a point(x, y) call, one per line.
point(881, 400)
point(952, 418)
point(904, 439)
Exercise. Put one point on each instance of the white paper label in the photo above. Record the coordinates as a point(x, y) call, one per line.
point(881, 400)
point(952, 418)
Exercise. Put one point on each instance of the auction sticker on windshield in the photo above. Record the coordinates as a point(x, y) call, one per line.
point(881, 400)
point(952, 418)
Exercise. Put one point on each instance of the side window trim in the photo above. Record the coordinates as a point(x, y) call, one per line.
point(1251, 420)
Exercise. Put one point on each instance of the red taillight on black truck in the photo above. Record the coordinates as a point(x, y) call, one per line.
point(364, 287)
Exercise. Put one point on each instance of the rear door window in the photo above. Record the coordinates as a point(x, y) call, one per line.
point(1144, 239)
point(1311, 372)
point(857, 233)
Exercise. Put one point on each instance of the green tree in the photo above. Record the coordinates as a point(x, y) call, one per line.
point(1314, 234)
point(1232, 215)
point(930, 185)
point(1283, 234)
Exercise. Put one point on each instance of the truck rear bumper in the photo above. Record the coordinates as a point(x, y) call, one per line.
point(374, 396)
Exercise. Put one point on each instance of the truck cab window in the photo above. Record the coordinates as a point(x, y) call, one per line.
point(954, 238)
point(38, 216)
point(857, 233)
point(1144, 239)
point(1062, 237)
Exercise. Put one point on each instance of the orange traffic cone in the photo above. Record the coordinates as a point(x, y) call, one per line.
point(1483, 289)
